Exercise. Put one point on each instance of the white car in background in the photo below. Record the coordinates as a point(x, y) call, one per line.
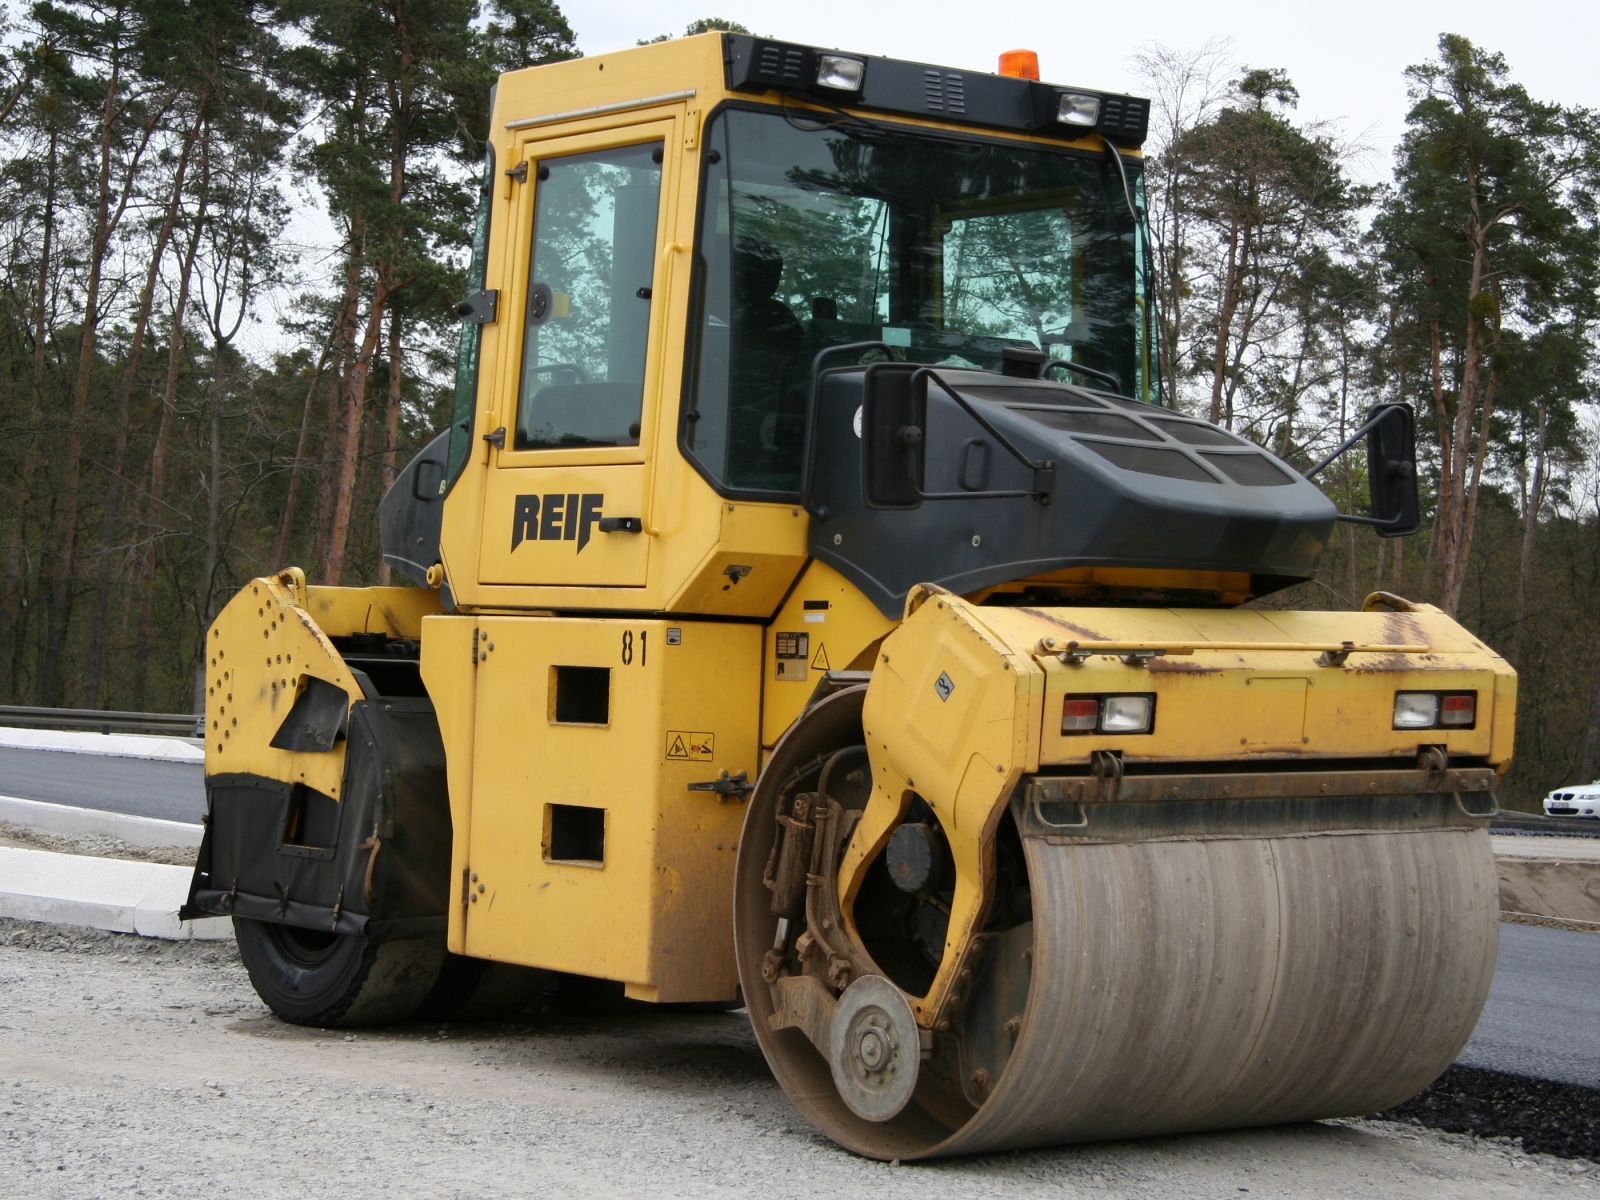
point(1582, 800)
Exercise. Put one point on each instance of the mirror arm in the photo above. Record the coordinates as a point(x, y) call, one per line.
point(1043, 472)
point(1374, 521)
point(1345, 445)
point(1091, 372)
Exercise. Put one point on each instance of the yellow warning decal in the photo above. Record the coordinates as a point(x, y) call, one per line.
point(819, 661)
point(690, 747)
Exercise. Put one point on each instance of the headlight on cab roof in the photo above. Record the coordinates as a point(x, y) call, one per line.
point(840, 73)
point(1109, 714)
point(1077, 109)
point(1435, 710)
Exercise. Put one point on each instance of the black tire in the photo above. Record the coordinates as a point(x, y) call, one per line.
point(474, 989)
point(308, 977)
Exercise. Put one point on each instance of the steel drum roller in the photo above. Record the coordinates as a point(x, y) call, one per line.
point(1176, 983)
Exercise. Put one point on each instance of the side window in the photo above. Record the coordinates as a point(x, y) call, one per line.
point(588, 310)
point(466, 390)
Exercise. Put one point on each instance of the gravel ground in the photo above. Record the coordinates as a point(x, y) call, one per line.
point(150, 1068)
point(95, 845)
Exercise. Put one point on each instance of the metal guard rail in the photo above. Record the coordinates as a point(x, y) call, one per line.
point(187, 725)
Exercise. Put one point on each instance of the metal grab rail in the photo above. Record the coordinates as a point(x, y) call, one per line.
point(177, 724)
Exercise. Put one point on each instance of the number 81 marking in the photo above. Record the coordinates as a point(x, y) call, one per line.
point(627, 646)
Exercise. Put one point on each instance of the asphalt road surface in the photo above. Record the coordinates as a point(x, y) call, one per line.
point(1540, 1019)
point(137, 786)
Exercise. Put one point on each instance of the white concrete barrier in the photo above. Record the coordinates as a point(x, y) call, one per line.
point(114, 745)
point(69, 819)
point(101, 893)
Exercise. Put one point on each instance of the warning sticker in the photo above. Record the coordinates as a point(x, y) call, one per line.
point(690, 747)
point(819, 661)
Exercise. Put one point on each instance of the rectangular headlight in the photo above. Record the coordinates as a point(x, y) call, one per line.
point(1077, 109)
point(1126, 714)
point(1416, 710)
point(840, 73)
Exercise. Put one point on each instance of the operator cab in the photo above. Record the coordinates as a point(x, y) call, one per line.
point(688, 297)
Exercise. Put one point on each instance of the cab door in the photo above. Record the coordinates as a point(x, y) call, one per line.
point(565, 493)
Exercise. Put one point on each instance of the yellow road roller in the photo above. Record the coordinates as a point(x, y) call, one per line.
point(817, 609)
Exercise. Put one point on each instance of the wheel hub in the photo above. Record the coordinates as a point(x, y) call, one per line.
point(876, 1048)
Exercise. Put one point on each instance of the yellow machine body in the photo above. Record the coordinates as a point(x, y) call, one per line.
point(605, 704)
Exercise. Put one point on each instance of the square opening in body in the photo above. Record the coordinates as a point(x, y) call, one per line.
point(575, 833)
point(311, 820)
point(580, 695)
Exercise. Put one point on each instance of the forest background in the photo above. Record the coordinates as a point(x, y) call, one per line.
point(152, 153)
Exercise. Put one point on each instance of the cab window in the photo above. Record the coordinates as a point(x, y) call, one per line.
point(587, 317)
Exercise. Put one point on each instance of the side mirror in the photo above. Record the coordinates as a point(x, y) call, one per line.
point(893, 421)
point(1392, 470)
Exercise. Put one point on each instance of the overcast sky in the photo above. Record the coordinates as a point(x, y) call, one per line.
point(1345, 57)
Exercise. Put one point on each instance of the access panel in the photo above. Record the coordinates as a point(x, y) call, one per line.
point(588, 850)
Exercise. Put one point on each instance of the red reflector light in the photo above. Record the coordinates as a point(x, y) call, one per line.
point(1019, 64)
point(1458, 710)
point(1080, 716)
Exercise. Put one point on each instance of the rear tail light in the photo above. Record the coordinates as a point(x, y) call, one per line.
point(1108, 714)
point(1080, 716)
point(1435, 710)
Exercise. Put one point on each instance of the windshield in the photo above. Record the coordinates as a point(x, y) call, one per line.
point(946, 250)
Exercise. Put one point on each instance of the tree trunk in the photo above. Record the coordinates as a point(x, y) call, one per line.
point(11, 629)
point(355, 388)
point(1230, 303)
point(346, 360)
point(158, 467)
point(106, 221)
point(108, 523)
point(208, 572)
point(280, 545)
point(391, 426)
point(1592, 734)
point(1530, 531)
point(1349, 486)
point(1454, 530)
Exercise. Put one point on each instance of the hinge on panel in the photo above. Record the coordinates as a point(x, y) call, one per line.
point(466, 885)
point(518, 172)
point(480, 307)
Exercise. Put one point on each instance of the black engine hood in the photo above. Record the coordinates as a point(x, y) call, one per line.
point(1134, 486)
